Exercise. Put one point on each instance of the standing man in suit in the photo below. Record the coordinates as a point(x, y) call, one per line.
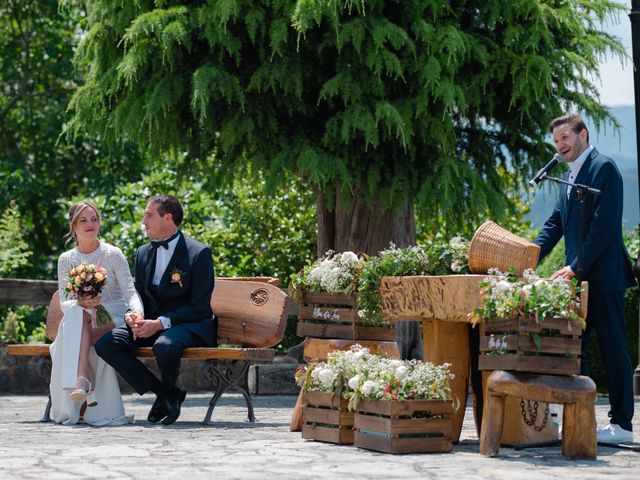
point(174, 276)
point(605, 262)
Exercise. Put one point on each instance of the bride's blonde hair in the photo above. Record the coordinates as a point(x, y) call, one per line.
point(74, 213)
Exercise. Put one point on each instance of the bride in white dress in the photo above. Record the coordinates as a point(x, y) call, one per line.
point(80, 379)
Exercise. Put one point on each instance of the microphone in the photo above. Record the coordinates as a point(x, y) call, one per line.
point(542, 174)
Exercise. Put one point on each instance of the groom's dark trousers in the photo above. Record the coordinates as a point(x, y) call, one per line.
point(187, 303)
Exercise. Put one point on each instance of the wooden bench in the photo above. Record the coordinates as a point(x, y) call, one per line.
point(252, 315)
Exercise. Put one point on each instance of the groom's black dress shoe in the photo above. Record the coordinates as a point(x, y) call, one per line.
point(172, 404)
point(157, 411)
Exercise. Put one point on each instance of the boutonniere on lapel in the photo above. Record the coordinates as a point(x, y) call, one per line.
point(177, 276)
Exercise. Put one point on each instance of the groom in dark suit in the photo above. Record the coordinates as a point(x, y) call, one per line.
point(174, 277)
point(605, 262)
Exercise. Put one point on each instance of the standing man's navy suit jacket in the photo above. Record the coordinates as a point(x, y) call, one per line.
point(605, 260)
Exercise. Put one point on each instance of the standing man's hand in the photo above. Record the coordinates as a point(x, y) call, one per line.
point(564, 272)
point(146, 328)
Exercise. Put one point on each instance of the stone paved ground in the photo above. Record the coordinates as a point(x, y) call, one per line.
point(233, 448)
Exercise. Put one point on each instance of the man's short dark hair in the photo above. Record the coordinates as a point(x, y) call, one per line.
point(168, 204)
point(574, 120)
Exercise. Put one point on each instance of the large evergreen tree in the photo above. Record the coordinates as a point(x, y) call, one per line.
point(376, 104)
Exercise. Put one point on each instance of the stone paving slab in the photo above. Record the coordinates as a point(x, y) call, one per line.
point(234, 448)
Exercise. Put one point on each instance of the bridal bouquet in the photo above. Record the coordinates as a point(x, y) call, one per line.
point(88, 280)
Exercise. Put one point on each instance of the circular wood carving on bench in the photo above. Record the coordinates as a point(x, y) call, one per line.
point(259, 297)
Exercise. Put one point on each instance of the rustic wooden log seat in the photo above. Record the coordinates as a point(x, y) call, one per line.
point(577, 393)
point(252, 315)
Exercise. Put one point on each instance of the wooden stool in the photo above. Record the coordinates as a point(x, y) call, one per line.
point(319, 348)
point(576, 393)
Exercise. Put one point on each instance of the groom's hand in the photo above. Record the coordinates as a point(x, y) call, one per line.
point(146, 328)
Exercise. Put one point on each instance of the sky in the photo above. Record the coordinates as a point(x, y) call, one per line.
point(616, 77)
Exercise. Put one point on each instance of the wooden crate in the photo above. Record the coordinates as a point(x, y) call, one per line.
point(326, 418)
point(404, 426)
point(335, 315)
point(559, 352)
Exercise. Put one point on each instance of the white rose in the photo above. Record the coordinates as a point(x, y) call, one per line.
point(327, 377)
point(541, 283)
point(349, 259)
point(358, 355)
point(315, 275)
point(502, 286)
point(395, 363)
point(401, 371)
point(367, 387)
point(314, 373)
point(354, 382)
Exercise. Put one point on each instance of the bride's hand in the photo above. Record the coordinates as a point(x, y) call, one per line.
point(132, 317)
point(90, 302)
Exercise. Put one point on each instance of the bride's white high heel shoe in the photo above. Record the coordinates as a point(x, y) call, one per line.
point(80, 394)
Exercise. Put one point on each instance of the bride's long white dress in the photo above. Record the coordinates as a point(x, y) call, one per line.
point(118, 295)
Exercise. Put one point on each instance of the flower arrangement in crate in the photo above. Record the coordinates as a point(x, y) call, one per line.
point(402, 406)
point(529, 324)
point(327, 291)
point(393, 399)
point(325, 415)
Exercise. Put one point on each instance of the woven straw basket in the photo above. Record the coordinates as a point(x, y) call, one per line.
point(494, 247)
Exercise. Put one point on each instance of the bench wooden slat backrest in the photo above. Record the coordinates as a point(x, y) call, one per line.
point(250, 313)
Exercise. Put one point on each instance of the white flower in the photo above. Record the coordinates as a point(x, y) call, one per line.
point(529, 275)
point(314, 373)
point(401, 371)
point(349, 259)
point(502, 287)
point(395, 363)
point(327, 377)
point(457, 243)
point(540, 283)
point(354, 382)
point(357, 356)
point(367, 387)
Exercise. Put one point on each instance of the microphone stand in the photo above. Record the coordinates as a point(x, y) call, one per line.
point(581, 191)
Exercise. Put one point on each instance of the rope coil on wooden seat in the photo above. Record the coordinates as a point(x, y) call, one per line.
point(494, 247)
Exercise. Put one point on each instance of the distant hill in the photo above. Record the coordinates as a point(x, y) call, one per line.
point(621, 146)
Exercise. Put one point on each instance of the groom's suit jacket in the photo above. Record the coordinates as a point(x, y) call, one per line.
point(187, 302)
point(605, 260)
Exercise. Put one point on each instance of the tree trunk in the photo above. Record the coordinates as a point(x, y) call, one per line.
point(355, 225)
